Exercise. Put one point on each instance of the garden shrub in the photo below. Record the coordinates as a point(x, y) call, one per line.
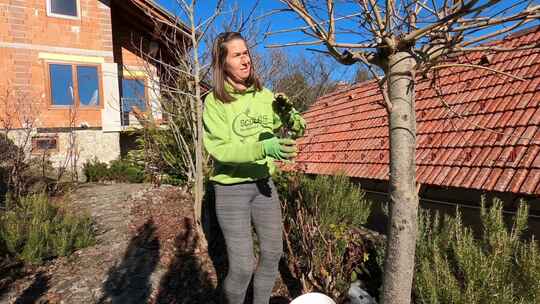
point(120, 170)
point(325, 247)
point(124, 171)
point(35, 229)
point(452, 266)
point(96, 171)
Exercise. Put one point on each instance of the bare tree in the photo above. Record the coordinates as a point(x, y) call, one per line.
point(180, 65)
point(183, 65)
point(18, 116)
point(402, 39)
point(302, 78)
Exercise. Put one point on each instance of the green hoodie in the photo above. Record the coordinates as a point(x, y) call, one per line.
point(232, 135)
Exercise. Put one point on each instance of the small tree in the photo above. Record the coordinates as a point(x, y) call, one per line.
point(302, 79)
point(401, 39)
point(181, 69)
point(183, 65)
point(19, 113)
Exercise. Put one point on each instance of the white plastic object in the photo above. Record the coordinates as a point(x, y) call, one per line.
point(359, 296)
point(313, 298)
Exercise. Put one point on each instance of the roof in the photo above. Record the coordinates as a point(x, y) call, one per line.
point(493, 144)
point(151, 12)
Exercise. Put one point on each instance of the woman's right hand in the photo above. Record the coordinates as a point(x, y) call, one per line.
point(279, 148)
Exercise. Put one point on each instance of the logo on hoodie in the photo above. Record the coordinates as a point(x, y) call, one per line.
point(245, 125)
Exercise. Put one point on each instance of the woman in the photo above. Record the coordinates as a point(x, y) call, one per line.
point(239, 125)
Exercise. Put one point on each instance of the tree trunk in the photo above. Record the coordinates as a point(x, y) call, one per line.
point(199, 161)
point(402, 226)
point(198, 190)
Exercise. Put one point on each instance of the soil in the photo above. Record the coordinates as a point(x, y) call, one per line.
point(147, 251)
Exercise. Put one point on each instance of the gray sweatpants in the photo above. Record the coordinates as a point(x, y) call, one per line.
point(237, 206)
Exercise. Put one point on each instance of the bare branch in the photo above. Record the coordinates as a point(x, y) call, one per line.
point(495, 49)
point(439, 96)
point(496, 33)
point(378, 17)
point(308, 27)
point(389, 14)
point(457, 11)
point(442, 66)
point(316, 42)
point(331, 21)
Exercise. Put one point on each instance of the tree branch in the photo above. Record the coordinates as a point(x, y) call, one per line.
point(441, 66)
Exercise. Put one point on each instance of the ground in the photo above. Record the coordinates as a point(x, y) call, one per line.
point(147, 251)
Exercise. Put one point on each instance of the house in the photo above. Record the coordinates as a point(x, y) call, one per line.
point(72, 72)
point(478, 132)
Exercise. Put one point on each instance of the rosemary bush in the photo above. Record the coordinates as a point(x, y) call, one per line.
point(34, 229)
point(325, 250)
point(452, 266)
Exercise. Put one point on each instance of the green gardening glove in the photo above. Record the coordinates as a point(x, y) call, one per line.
point(279, 148)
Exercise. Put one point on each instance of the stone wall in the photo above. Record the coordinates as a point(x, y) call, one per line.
point(87, 145)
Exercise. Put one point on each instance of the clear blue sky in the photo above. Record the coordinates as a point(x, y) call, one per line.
point(282, 21)
point(274, 22)
point(205, 9)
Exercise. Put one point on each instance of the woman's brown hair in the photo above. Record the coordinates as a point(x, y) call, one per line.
point(219, 53)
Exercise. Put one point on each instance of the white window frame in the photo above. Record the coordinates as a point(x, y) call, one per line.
point(51, 14)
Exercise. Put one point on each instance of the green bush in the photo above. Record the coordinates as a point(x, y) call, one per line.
point(455, 267)
point(134, 175)
point(96, 171)
point(35, 230)
point(340, 202)
point(322, 215)
point(124, 171)
point(120, 170)
point(160, 151)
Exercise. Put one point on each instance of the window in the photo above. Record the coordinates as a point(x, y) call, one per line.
point(63, 8)
point(74, 84)
point(133, 94)
point(87, 76)
point(42, 144)
point(61, 84)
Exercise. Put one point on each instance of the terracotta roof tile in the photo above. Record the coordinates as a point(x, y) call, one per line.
point(348, 129)
point(517, 180)
point(531, 181)
point(473, 173)
point(504, 180)
point(462, 176)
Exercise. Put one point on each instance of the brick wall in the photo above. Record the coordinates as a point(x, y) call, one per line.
point(27, 22)
point(26, 31)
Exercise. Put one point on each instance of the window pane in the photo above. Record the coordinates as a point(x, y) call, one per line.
point(133, 94)
point(44, 143)
point(64, 7)
point(87, 80)
point(61, 84)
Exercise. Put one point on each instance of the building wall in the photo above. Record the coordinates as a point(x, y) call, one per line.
point(445, 200)
point(75, 147)
point(130, 41)
point(90, 144)
point(29, 39)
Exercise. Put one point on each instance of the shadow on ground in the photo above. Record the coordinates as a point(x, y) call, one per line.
point(129, 282)
point(185, 280)
point(189, 277)
point(35, 291)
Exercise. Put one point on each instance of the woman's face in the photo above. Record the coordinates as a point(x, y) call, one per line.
point(237, 62)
